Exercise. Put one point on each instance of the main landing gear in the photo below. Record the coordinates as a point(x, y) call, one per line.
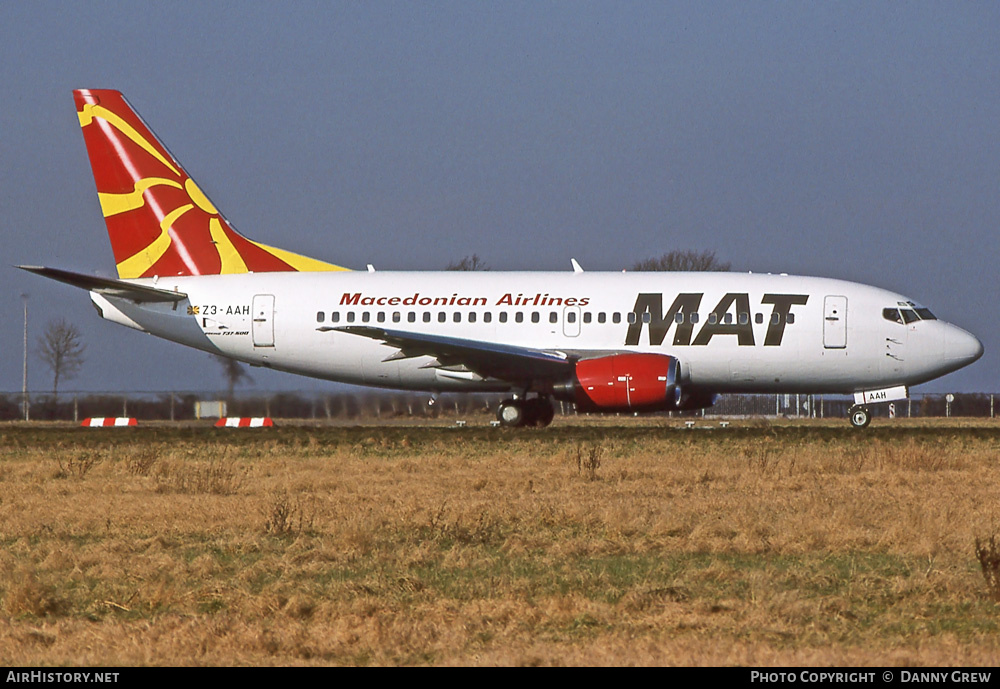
point(860, 416)
point(536, 411)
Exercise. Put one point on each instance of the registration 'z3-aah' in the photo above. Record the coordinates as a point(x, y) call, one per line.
point(604, 341)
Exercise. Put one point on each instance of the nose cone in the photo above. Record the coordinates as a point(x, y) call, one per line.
point(961, 347)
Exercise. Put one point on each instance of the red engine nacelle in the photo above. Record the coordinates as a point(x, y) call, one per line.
point(623, 382)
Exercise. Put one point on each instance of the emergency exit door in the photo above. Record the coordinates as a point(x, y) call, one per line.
point(571, 321)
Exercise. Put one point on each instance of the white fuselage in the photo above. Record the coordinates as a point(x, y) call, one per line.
point(731, 332)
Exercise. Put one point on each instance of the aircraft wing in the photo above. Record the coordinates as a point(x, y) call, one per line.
point(107, 286)
point(487, 359)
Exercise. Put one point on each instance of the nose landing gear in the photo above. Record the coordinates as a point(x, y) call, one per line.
point(537, 411)
point(860, 416)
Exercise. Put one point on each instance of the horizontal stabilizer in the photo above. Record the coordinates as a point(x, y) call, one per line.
point(107, 286)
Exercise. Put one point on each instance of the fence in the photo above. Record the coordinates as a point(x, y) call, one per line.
point(350, 404)
point(833, 406)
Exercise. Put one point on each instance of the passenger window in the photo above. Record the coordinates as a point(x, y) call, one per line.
point(678, 318)
point(335, 316)
point(472, 316)
point(775, 318)
point(442, 316)
point(727, 319)
point(457, 317)
point(586, 317)
point(427, 316)
point(713, 318)
point(411, 317)
point(744, 317)
point(534, 317)
point(647, 317)
point(519, 317)
point(616, 317)
point(381, 317)
point(790, 319)
point(601, 317)
point(320, 316)
point(350, 316)
point(395, 316)
point(694, 317)
point(553, 317)
point(365, 317)
point(570, 317)
point(488, 317)
point(758, 318)
point(503, 316)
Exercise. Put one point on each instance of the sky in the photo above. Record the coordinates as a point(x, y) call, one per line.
point(849, 140)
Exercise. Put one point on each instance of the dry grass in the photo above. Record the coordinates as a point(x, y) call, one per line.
point(639, 544)
point(988, 552)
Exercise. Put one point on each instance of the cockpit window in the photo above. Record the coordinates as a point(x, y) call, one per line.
point(908, 312)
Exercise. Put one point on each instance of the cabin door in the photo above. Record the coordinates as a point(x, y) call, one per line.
point(263, 320)
point(835, 322)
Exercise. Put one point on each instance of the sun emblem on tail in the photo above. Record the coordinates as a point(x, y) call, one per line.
point(159, 220)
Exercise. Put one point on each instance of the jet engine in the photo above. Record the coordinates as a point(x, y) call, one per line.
point(623, 382)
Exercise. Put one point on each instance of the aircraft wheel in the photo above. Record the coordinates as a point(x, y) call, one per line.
point(543, 411)
point(511, 414)
point(538, 412)
point(860, 417)
point(530, 412)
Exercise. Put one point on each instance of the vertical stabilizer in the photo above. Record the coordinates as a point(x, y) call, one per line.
point(159, 221)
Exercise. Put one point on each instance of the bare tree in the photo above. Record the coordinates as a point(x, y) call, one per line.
point(683, 260)
point(234, 373)
point(61, 348)
point(472, 262)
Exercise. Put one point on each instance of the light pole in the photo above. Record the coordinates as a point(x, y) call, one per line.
point(24, 378)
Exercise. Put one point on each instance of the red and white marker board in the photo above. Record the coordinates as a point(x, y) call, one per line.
point(244, 422)
point(108, 421)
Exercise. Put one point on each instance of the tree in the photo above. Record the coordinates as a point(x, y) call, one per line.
point(472, 262)
point(61, 348)
point(234, 373)
point(683, 260)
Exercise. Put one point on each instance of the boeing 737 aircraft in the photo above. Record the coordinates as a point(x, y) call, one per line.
point(606, 342)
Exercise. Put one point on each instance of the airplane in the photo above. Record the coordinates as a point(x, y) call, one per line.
point(603, 341)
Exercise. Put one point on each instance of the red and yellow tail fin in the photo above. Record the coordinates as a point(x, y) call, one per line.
point(159, 221)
